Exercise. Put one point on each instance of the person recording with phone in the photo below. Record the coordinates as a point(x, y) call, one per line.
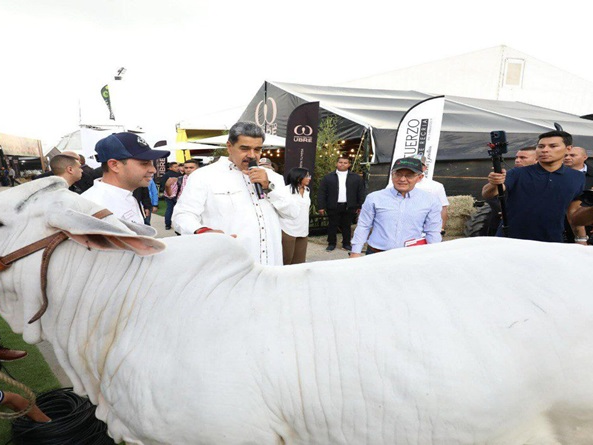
point(236, 197)
point(540, 195)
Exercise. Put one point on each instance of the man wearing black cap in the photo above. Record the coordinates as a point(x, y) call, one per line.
point(127, 163)
point(400, 216)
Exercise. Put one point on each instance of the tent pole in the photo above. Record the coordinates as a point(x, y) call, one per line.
point(367, 169)
point(265, 105)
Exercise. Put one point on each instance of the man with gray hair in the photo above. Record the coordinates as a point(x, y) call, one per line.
point(575, 158)
point(225, 197)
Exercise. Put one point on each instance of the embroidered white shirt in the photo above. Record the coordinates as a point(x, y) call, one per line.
point(220, 196)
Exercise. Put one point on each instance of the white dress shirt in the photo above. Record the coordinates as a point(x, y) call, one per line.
point(342, 196)
point(119, 201)
point(221, 197)
point(299, 226)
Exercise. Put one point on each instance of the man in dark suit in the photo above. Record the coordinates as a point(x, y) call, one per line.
point(341, 194)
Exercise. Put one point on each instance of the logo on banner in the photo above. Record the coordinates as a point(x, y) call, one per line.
point(265, 115)
point(161, 167)
point(416, 133)
point(107, 99)
point(303, 133)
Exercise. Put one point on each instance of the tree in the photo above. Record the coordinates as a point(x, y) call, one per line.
point(328, 152)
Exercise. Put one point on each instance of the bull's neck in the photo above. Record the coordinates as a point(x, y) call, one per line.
point(85, 283)
point(86, 291)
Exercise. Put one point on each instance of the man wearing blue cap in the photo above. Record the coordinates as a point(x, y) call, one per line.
point(127, 163)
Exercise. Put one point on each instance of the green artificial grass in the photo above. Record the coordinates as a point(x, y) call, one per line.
point(32, 371)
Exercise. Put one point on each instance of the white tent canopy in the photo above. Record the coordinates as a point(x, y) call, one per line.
point(189, 145)
point(271, 140)
point(83, 141)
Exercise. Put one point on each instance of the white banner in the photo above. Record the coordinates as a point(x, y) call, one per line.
point(418, 133)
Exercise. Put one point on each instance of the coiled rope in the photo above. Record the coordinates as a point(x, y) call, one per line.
point(73, 422)
point(29, 395)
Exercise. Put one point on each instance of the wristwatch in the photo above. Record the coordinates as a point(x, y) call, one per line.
point(270, 188)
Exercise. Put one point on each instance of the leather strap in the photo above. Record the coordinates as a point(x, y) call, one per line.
point(7, 260)
point(48, 243)
point(58, 239)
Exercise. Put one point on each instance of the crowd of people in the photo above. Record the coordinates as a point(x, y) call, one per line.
point(242, 195)
point(544, 190)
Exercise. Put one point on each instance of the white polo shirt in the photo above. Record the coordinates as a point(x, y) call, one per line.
point(119, 201)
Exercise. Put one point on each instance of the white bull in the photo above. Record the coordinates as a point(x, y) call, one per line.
point(478, 341)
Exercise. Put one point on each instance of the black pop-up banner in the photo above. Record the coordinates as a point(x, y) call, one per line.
point(301, 137)
point(107, 99)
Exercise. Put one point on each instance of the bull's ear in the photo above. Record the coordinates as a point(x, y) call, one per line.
point(140, 229)
point(104, 234)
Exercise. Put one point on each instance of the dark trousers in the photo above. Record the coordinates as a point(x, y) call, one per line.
point(169, 211)
point(341, 217)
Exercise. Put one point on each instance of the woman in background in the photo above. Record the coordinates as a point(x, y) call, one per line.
point(295, 231)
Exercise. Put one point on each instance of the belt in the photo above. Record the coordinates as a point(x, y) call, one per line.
point(372, 249)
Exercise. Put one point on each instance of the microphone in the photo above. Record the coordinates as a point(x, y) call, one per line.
point(258, 189)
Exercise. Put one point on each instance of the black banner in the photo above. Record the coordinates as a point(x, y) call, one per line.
point(301, 137)
point(107, 99)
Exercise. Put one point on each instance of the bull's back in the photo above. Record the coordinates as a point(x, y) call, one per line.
point(428, 344)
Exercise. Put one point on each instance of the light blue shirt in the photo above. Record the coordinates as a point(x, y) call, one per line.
point(395, 219)
point(153, 193)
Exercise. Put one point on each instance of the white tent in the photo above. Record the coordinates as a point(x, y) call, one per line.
point(83, 141)
point(189, 145)
point(271, 140)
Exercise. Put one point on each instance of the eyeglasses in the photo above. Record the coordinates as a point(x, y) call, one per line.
point(408, 176)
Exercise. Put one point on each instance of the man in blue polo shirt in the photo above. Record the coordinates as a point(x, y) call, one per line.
point(540, 195)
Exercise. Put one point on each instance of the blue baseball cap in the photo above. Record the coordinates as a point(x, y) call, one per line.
point(126, 146)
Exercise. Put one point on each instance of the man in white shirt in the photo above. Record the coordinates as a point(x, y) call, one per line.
point(127, 163)
point(222, 197)
point(436, 188)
